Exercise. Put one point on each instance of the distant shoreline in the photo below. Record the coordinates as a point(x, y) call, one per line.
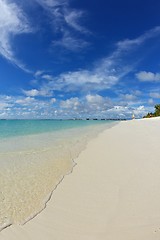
point(70, 119)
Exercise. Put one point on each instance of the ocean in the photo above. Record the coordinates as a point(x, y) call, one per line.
point(35, 155)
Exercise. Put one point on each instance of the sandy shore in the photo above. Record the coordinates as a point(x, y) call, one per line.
point(113, 192)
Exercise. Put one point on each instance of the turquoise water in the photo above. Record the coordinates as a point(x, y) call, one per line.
point(35, 155)
point(12, 128)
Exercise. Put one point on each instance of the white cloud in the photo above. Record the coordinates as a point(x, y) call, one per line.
point(4, 105)
point(127, 111)
point(88, 106)
point(144, 76)
point(98, 103)
point(127, 44)
point(65, 21)
point(151, 102)
point(69, 42)
point(98, 78)
point(25, 101)
point(140, 111)
point(95, 76)
point(137, 93)
point(94, 99)
point(72, 19)
point(38, 73)
point(71, 103)
point(129, 97)
point(155, 94)
point(96, 106)
point(62, 14)
point(91, 105)
point(25, 107)
point(31, 93)
point(13, 22)
point(51, 3)
point(34, 92)
point(53, 100)
point(47, 77)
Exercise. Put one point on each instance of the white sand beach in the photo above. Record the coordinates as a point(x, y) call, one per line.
point(113, 192)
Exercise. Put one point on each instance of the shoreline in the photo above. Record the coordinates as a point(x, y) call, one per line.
point(60, 165)
point(106, 194)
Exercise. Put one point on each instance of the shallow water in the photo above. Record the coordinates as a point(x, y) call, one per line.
point(31, 166)
point(13, 128)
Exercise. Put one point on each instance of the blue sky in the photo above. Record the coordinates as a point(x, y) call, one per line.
point(79, 58)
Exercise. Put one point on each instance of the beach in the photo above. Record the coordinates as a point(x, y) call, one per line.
point(112, 193)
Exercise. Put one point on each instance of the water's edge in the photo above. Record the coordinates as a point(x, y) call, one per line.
point(60, 179)
point(70, 172)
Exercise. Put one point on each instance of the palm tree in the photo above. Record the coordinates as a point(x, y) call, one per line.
point(156, 113)
point(157, 110)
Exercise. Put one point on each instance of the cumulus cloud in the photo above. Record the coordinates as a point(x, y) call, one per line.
point(83, 80)
point(100, 77)
point(31, 93)
point(96, 106)
point(94, 99)
point(25, 101)
point(6, 102)
point(144, 76)
point(71, 103)
point(129, 97)
point(127, 111)
point(13, 22)
point(34, 92)
point(25, 107)
point(98, 103)
point(4, 105)
point(90, 105)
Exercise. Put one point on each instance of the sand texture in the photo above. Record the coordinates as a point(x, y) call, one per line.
point(113, 192)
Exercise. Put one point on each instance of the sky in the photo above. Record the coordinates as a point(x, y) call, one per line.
point(79, 58)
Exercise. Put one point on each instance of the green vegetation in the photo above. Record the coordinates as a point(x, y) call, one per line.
point(155, 114)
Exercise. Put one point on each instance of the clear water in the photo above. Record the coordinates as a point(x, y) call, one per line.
point(35, 155)
point(11, 128)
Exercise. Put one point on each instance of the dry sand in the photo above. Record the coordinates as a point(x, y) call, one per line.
point(113, 192)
